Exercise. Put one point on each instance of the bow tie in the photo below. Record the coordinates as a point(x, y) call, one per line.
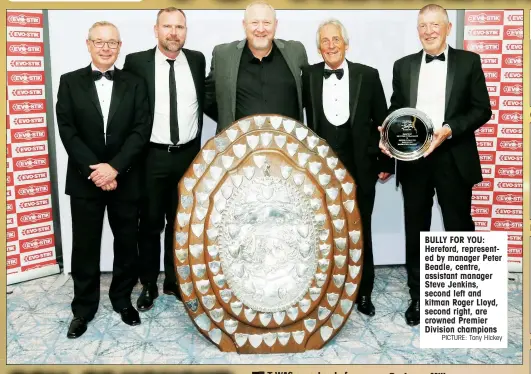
point(96, 75)
point(327, 73)
point(430, 58)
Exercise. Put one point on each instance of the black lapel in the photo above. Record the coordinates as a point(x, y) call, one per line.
point(414, 79)
point(450, 74)
point(355, 77)
point(316, 93)
point(119, 87)
point(90, 87)
point(197, 76)
point(150, 78)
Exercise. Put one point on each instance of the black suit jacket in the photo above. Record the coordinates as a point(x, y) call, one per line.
point(143, 64)
point(467, 105)
point(368, 109)
point(81, 128)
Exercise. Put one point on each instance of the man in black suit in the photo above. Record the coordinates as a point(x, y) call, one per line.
point(103, 121)
point(345, 103)
point(175, 78)
point(449, 86)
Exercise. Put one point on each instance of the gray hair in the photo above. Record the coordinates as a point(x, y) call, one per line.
point(435, 8)
point(335, 22)
point(102, 23)
point(259, 2)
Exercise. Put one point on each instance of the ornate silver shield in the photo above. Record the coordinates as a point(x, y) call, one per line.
point(268, 245)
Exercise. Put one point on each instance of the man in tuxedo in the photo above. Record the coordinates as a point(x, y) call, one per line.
point(175, 78)
point(449, 86)
point(345, 103)
point(259, 74)
point(103, 121)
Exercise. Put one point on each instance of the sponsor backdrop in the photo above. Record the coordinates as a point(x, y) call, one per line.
point(498, 202)
point(30, 247)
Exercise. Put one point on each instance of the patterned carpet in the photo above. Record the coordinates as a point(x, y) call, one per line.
point(38, 316)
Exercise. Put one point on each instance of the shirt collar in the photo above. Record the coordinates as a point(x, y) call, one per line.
point(344, 66)
point(93, 67)
point(445, 52)
point(252, 58)
point(160, 58)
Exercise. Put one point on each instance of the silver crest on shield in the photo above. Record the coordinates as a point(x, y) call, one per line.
point(268, 242)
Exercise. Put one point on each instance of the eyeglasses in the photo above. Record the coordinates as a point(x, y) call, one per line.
point(113, 44)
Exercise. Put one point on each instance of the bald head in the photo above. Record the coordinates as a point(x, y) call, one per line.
point(260, 25)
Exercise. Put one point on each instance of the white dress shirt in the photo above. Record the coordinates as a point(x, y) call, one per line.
point(431, 94)
point(104, 89)
point(336, 96)
point(186, 100)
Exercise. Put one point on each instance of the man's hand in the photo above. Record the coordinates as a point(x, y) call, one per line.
point(102, 174)
point(383, 148)
point(383, 176)
point(439, 136)
point(111, 186)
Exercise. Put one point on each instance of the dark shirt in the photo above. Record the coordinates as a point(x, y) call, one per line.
point(266, 86)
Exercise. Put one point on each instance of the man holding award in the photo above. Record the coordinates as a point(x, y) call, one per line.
point(345, 103)
point(439, 99)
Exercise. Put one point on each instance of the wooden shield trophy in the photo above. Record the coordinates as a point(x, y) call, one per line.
point(268, 244)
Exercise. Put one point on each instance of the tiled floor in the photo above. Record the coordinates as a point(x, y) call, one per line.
point(38, 315)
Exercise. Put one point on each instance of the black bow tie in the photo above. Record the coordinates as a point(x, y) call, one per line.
point(96, 75)
point(338, 72)
point(430, 58)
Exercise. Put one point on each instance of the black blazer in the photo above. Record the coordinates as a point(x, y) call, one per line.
point(467, 105)
point(368, 109)
point(143, 64)
point(81, 128)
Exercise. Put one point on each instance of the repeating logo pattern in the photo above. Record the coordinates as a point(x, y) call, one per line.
point(497, 36)
point(30, 236)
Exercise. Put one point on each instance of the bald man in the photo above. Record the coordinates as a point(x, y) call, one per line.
point(259, 74)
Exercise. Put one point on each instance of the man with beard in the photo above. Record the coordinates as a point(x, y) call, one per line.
point(175, 78)
point(449, 86)
point(259, 74)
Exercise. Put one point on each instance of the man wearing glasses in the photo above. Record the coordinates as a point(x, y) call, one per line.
point(104, 123)
point(175, 77)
